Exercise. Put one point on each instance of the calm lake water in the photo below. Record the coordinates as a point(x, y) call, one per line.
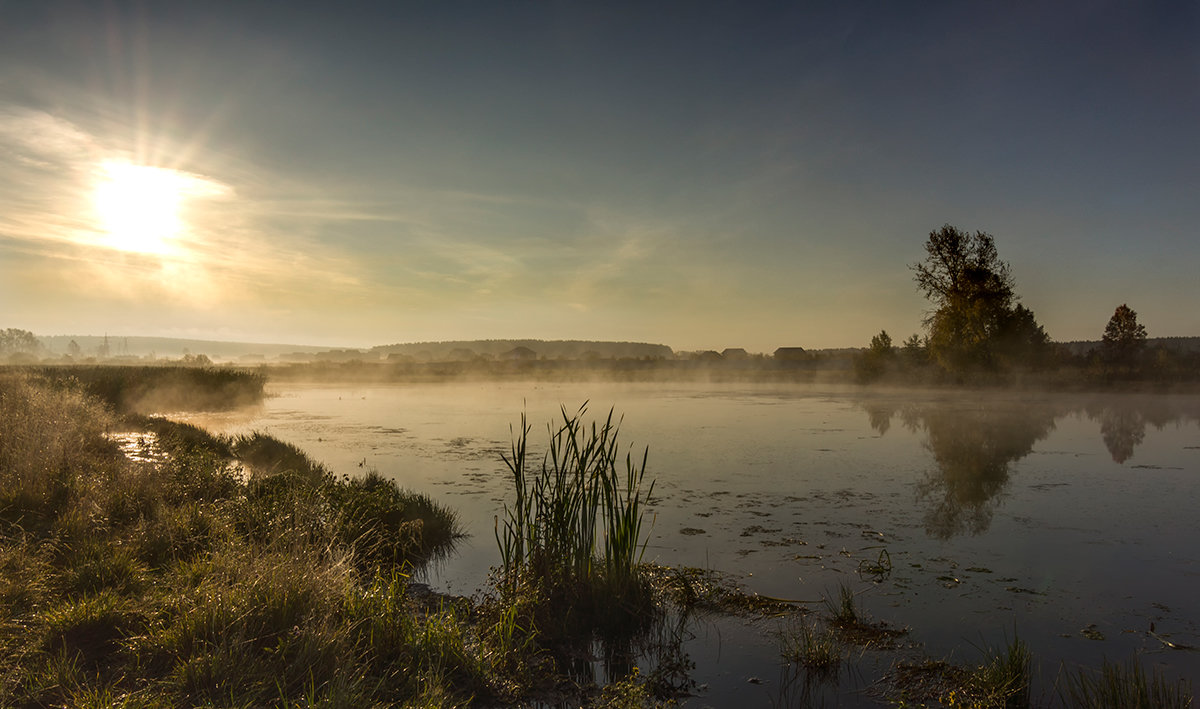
point(1069, 520)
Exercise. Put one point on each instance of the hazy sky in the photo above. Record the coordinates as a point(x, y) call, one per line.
point(700, 175)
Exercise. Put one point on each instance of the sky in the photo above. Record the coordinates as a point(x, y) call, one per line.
point(701, 175)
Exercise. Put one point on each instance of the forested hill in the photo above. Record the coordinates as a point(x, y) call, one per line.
point(550, 349)
point(1174, 344)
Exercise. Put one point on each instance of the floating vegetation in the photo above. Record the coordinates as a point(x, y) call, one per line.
point(1003, 680)
point(879, 569)
point(706, 590)
point(1019, 589)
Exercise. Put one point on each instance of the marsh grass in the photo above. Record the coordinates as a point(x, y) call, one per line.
point(573, 536)
point(142, 389)
point(1003, 681)
point(1123, 685)
point(185, 582)
point(843, 611)
point(852, 625)
point(816, 649)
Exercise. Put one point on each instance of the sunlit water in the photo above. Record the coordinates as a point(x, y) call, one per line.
point(1070, 521)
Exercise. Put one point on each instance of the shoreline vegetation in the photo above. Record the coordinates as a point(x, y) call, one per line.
point(147, 563)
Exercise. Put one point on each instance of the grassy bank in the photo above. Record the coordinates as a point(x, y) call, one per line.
point(189, 581)
point(199, 570)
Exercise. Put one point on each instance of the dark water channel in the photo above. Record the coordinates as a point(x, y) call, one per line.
point(1069, 520)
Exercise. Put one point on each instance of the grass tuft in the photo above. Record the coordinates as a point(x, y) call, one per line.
point(815, 649)
point(1124, 685)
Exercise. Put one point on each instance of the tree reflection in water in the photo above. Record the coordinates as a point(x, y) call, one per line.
point(973, 449)
point(1123, 420)
point(975, 442)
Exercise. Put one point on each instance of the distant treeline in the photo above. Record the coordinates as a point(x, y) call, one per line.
point(466, 350)
point(1170, 344)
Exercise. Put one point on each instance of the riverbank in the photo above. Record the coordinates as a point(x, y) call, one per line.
point(225, 571)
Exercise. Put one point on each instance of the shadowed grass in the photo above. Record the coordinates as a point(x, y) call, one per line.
point(852, 625)
point(1004, 680)
point(817, 650)
point(1124, 685)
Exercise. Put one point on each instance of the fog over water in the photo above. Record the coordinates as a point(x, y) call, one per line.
point(1043, 515)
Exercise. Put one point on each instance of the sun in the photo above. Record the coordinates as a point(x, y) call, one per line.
point(138, 206)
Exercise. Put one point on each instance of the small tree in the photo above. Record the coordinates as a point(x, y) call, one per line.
point(873, 363)
point(914, 350)
point(881, 344)
point(1124, 337)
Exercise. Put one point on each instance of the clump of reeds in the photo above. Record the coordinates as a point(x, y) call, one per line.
point(1005, 680)
point(574, 531)
point(843, 612)
point(816, 649)
point(852, 624)
point(1124, 685)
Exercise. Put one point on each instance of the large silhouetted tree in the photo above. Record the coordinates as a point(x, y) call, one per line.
point(972, 293)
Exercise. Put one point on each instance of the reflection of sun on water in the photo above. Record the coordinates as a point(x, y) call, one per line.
point(139, 207)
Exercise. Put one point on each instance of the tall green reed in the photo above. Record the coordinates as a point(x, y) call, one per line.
point(577, 519)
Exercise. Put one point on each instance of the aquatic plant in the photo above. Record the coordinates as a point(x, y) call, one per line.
point(815, 649)
point(852, 625)
point(1123, 685)
point(574, 530)
point(843, 611)
point(1005, 679)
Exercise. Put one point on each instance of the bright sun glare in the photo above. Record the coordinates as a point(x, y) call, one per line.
point(139, 207)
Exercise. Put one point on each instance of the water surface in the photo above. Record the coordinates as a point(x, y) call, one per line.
point(1070, 520)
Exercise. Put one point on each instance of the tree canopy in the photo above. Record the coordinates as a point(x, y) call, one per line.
point(1124, 337)
point(15, 340)
point(975, 320)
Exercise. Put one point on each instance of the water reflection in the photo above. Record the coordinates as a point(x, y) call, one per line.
point(975, 443)
point(1123, 428)
point(1123, 420)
